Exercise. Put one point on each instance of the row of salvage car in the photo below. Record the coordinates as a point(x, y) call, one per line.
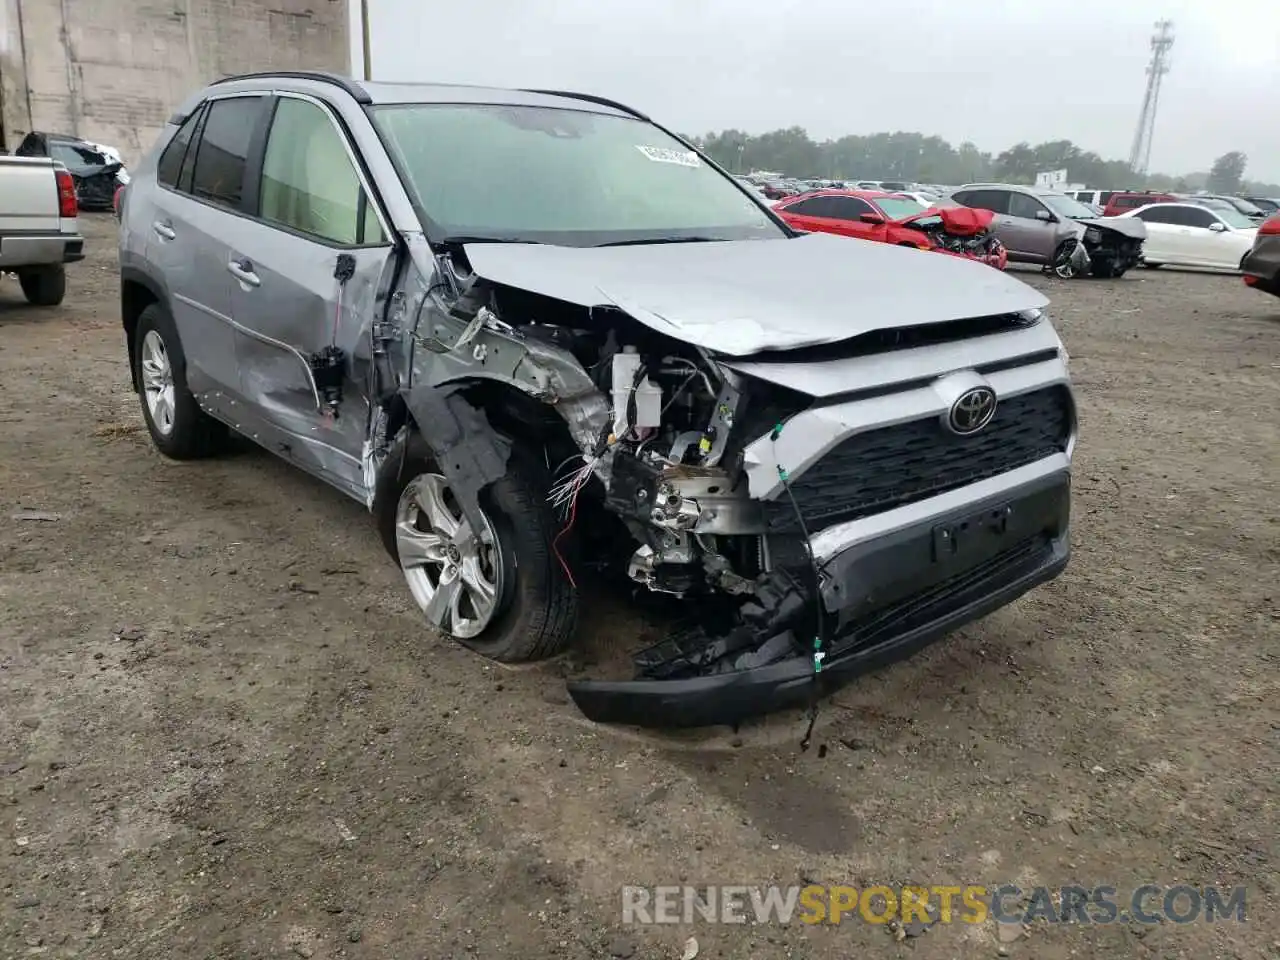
point(1002, 223)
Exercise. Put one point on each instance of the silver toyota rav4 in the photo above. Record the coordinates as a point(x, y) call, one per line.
point(543, 339)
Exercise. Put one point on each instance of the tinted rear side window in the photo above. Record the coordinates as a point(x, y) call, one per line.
point(997, 201)
point(171, 160)
point(814, 207)
point(224, 145)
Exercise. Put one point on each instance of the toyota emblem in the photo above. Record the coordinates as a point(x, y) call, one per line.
point(972, 411)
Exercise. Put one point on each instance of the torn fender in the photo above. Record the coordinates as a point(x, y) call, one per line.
point(469, 452)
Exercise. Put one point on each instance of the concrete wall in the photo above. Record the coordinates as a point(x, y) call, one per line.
point(112, 71)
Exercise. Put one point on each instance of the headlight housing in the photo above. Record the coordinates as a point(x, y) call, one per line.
point(1092, 235)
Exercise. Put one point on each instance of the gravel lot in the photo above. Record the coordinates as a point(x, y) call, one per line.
point(224, 733)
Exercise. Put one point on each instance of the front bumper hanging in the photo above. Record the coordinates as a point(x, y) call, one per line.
point(885, 597)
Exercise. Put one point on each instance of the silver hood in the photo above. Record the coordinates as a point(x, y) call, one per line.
point(1130, 227)
point(742, 297)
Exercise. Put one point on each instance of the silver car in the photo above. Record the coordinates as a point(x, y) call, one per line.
point(1049, 228)
point(546, 343)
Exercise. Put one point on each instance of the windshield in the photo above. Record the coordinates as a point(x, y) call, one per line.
point(895, 208)
point(1233, 217)
point(1064, 206)
point(552, 175)
point(1245, 206)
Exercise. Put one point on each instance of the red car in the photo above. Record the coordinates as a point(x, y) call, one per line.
point(1122, 202)
point(891, 218)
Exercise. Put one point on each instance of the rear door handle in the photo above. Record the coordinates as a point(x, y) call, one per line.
point(242, 270)
point(163, 230)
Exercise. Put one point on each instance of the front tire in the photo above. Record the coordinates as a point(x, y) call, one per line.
point(501, 591)
point(178, 427)
point(43, 286)
point(1062, 267)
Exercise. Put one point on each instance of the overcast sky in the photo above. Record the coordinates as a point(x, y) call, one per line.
point(991, 71)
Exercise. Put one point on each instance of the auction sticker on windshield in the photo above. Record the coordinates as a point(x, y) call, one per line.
point(667, 155)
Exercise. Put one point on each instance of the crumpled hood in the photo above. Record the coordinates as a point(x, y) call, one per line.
point(1126, 226)
point(742, 297)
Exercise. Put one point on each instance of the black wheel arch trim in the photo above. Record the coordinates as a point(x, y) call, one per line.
point(130, 279)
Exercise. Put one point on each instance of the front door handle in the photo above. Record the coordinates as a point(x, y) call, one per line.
point(242, 270)
point(163, 230)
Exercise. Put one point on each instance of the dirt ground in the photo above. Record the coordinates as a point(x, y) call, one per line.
point(224, 732)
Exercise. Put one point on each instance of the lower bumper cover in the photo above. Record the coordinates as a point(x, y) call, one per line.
point(897, 595)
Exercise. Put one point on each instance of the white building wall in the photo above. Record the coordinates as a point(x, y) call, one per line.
point(112, 71)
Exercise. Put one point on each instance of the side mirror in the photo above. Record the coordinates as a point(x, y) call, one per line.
point(1045, 216)
point(871, 218)
point(1218, 227)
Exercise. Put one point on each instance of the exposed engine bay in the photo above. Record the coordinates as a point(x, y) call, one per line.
point(663, 461)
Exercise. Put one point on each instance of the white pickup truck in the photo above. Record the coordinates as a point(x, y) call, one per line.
point(39, 230)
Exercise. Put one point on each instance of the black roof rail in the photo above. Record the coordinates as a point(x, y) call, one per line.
point(592, 98)
point(320, 76)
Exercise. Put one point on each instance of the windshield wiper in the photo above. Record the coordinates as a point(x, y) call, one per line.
point(638, 243)
point(460, 240)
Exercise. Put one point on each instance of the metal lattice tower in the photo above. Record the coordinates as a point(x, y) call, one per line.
point(1161, 41)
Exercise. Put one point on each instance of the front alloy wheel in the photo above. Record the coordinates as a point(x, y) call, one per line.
point(1063, 268)
point(454, 572)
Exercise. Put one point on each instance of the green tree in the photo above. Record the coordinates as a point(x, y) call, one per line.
point(907, 155)
point(1227, 172)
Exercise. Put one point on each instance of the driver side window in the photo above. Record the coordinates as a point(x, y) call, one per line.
point(848, 208)
point(1158, 215)
point(308, 181)
point(1199, 217)
point(1021, 205)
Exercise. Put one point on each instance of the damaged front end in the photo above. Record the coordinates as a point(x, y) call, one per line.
point(1105, 248)
point(808, 503)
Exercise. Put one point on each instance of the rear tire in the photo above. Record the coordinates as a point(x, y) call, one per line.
point(536, 608)
point(178, 427)
point(43, 286)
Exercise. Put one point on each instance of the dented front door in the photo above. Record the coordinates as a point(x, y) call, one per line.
point(309, 275)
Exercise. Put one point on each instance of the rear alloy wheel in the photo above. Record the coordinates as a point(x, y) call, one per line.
point(178, 427)
point(157, 383)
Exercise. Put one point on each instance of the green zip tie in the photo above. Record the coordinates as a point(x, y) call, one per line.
point(818, 655)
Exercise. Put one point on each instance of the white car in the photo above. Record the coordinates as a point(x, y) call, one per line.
point(1189, 235)
point(925, 200)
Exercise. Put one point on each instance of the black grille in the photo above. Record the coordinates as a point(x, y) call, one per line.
point(893, 466)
